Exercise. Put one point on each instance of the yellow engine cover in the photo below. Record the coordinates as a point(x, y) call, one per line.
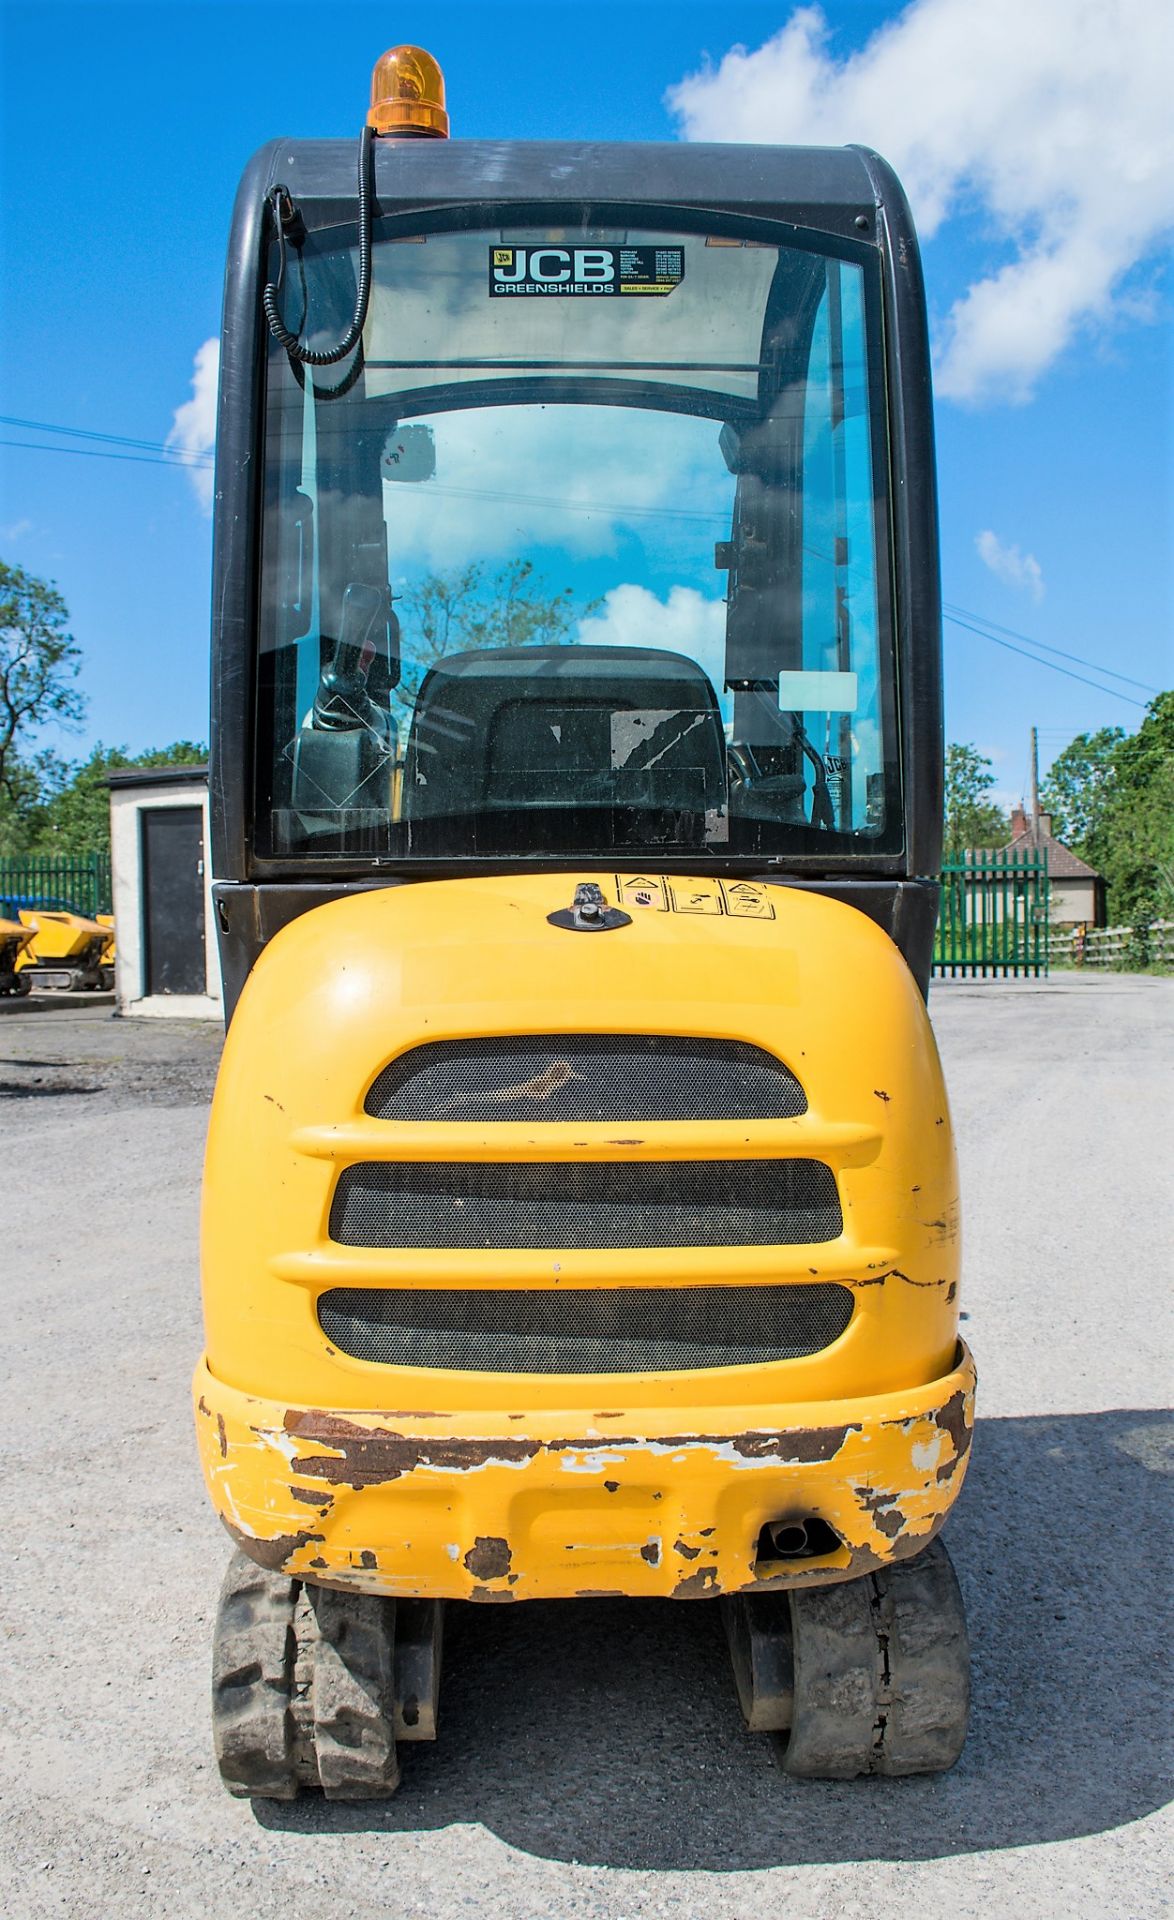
point(443, 1482)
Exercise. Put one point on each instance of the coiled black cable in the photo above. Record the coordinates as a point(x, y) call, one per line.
point(284, 215)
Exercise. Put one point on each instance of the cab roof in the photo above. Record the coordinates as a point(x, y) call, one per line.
point(830, 189)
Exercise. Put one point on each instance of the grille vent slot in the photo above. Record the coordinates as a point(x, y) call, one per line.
point(563, 1205)
point(610, 1076)
point(583, 1331)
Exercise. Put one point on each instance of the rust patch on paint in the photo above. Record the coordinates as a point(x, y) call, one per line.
point(805, 1445)
point(492, 1593)
point(696, 1586)
point(204, 1408)
point(611, 1486)
point(273, 1554)
point(367, 1456)
point(650, 1551)
point(952, 1420)
point(363, 1456)
point(488, 1558)
point(313, 1496)
point(887, 1517)
point(368, 1560)
point(686, 1551)
point(222, 1436)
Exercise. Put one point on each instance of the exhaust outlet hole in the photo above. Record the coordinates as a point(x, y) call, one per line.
point(783, 1542)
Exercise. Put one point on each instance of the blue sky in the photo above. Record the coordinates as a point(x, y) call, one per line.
point(125, 129)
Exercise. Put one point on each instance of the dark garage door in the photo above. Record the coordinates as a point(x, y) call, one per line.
point(173, 899)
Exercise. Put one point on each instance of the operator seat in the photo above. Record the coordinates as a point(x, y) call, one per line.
point(574, 728)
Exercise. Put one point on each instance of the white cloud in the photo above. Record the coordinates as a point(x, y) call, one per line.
point(687, 622)
point(194, 428)
point(16, 530)
point(583, 479)
point(1052, 117)
point(1015, 569)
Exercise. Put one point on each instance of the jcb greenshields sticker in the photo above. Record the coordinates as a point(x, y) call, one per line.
point(585, 271)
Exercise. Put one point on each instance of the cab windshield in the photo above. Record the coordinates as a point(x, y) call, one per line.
point(583, 552)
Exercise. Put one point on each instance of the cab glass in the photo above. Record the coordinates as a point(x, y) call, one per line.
point(583, 551)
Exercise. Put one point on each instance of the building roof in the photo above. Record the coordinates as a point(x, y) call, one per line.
point(1063, 864)
point(190, 776)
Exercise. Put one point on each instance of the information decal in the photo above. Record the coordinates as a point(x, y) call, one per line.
point(738, 899)
point(585, 272)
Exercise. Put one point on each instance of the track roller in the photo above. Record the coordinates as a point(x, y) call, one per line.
point(304, 1685)
point(869, 1676)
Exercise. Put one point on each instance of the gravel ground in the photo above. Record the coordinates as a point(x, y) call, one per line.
point(592, 1761)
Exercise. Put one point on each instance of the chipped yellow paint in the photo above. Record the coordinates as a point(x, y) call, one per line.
point(669, 1494)
point(466, 1507)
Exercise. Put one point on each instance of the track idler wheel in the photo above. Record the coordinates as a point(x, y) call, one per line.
point(869, 1676)
point(304, 1686)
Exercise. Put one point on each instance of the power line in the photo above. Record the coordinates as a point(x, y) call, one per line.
point(1011, 634)
point(97, 453)
point(159, 453)
point(87, 433)
point(1050, 664)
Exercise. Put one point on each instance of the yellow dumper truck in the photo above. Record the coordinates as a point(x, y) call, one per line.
point(580, 1213)
point(66, 950)
point(15, 940)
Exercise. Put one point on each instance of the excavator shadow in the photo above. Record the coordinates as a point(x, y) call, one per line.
point(607, 1732)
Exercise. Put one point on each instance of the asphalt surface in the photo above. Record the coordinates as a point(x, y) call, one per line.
point(592, 1761)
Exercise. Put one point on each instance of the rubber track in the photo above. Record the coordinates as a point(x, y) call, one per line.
point(882, 1673)
point(253, 1657)
point(353, 1694)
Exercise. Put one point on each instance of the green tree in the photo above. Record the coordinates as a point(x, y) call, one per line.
point(28, 786)
point(470, 608)
point(972, 818)
point(74, 815)
point(39, 662)
point(1080, 785)
point(1132, 843)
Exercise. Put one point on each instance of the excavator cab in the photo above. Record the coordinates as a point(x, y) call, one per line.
point(580, 1207)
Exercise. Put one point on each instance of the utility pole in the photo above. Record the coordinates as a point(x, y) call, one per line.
point(1035, 787)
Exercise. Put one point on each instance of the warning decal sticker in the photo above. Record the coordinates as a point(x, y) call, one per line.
point(642, 890)
point(739, 899)
point(585, 271)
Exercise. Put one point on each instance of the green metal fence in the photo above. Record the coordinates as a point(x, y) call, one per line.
point(994, 914)
point(78, 881)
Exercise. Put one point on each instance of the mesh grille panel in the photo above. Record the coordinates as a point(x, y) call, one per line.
point(689, 1203)
point(580, 1330)
point(586, 1077)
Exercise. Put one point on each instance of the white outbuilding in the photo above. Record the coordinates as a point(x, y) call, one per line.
point(166, 955)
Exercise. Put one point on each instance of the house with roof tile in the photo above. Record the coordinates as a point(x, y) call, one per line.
point(1076, 891)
